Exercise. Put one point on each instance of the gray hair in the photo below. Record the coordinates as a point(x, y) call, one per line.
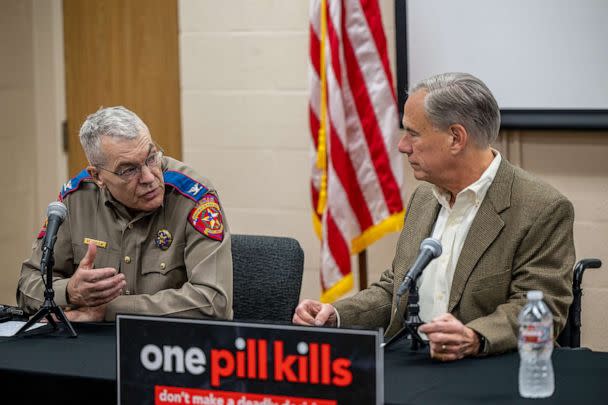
point(116, 122)
point(461, 98)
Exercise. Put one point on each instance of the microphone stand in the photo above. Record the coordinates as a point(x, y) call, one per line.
point(49, 307)
point(411, 323)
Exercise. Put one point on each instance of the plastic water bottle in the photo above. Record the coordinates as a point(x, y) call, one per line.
point(536, 378)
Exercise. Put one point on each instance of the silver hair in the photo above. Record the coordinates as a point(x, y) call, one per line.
point(461, 98)
point(116, 122)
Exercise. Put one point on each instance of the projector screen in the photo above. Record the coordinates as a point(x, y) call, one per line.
point(546, 61)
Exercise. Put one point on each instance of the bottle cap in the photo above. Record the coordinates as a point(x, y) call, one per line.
point(535, 295)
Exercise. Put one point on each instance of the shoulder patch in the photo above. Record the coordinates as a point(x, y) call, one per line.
point(206, 217)
point(73, 184)
point(185, 185)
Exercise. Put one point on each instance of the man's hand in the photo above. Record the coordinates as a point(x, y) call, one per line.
point(310, 312)
point(450, 339)
point(93, 287)
point(87, 314)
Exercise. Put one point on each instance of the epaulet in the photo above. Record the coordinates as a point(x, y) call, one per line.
point(185, 185)
point(73, 184)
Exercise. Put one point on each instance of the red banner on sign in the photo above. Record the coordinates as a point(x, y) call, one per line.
point(164, 395)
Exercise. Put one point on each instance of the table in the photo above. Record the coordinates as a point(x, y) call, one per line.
point(581, 376)
point(57, 369)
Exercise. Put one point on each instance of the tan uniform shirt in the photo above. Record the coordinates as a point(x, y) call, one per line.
point(191, 278)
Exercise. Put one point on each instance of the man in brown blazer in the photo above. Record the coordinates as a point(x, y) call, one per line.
point(503, 232)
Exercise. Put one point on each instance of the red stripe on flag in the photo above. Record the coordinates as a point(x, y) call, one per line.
point(338, 246)
point(314, 46)
point(374, 21)
point(334, 47)
point(314, 124)
point(373, 134)
point(315, 198)
point(348, 178)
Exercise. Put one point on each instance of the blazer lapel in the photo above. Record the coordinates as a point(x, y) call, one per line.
point(417, 228)
point(485, 228)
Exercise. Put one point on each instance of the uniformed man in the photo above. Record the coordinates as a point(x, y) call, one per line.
point(144, 234)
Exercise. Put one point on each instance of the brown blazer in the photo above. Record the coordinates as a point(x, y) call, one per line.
point(520, 240)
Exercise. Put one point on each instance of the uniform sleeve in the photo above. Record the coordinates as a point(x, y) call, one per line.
point(544, 261)
point(30, 288)
point(207, 293)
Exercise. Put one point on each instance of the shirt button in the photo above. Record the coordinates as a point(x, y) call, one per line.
point(163, 266)
point(130, 226)
point(127, 259)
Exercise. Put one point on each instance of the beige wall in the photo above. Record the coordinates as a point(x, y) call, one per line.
point(244, 115)
point(31, 110)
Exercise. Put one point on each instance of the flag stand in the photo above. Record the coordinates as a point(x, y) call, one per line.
point(362, 270)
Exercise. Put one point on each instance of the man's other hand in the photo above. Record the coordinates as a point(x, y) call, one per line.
point(315, 313)
point(450, 339)
point(87, 314)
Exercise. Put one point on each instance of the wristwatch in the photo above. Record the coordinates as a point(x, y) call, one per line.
point(483, 344)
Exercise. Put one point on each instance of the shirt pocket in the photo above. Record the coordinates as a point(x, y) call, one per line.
point(162, 269)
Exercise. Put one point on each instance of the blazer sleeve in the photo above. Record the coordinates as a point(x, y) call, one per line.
point(372, 307)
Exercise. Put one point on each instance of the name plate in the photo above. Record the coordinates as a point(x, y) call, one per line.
point(183, 361)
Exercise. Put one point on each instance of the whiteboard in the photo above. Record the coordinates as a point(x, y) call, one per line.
point(532, 54)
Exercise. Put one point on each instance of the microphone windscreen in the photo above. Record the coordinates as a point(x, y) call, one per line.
point(432, 245)
point(57, 208)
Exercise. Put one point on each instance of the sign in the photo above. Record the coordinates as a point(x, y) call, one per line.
point(185, 361)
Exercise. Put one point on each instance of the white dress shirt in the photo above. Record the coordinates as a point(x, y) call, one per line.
point(451, 228)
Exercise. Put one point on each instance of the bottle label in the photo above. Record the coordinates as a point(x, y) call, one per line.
point(535, 333)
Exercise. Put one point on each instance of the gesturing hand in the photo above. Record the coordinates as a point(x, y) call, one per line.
point(92, 287)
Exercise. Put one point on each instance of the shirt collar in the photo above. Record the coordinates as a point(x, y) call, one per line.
point(477, 189)
point(109, 201)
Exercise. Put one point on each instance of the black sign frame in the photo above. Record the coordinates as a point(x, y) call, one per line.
point(302, 364)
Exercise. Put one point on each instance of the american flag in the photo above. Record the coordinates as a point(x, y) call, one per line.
point(357, 173)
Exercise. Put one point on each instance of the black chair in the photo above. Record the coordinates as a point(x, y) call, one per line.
point(571, 335)
point(267, 277)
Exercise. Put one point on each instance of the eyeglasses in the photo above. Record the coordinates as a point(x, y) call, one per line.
point(134, 171)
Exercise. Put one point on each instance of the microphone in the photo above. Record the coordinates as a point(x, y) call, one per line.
point(55, 214)
point(429, 249)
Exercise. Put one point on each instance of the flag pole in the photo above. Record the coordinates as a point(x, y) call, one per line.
point(362, 269)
